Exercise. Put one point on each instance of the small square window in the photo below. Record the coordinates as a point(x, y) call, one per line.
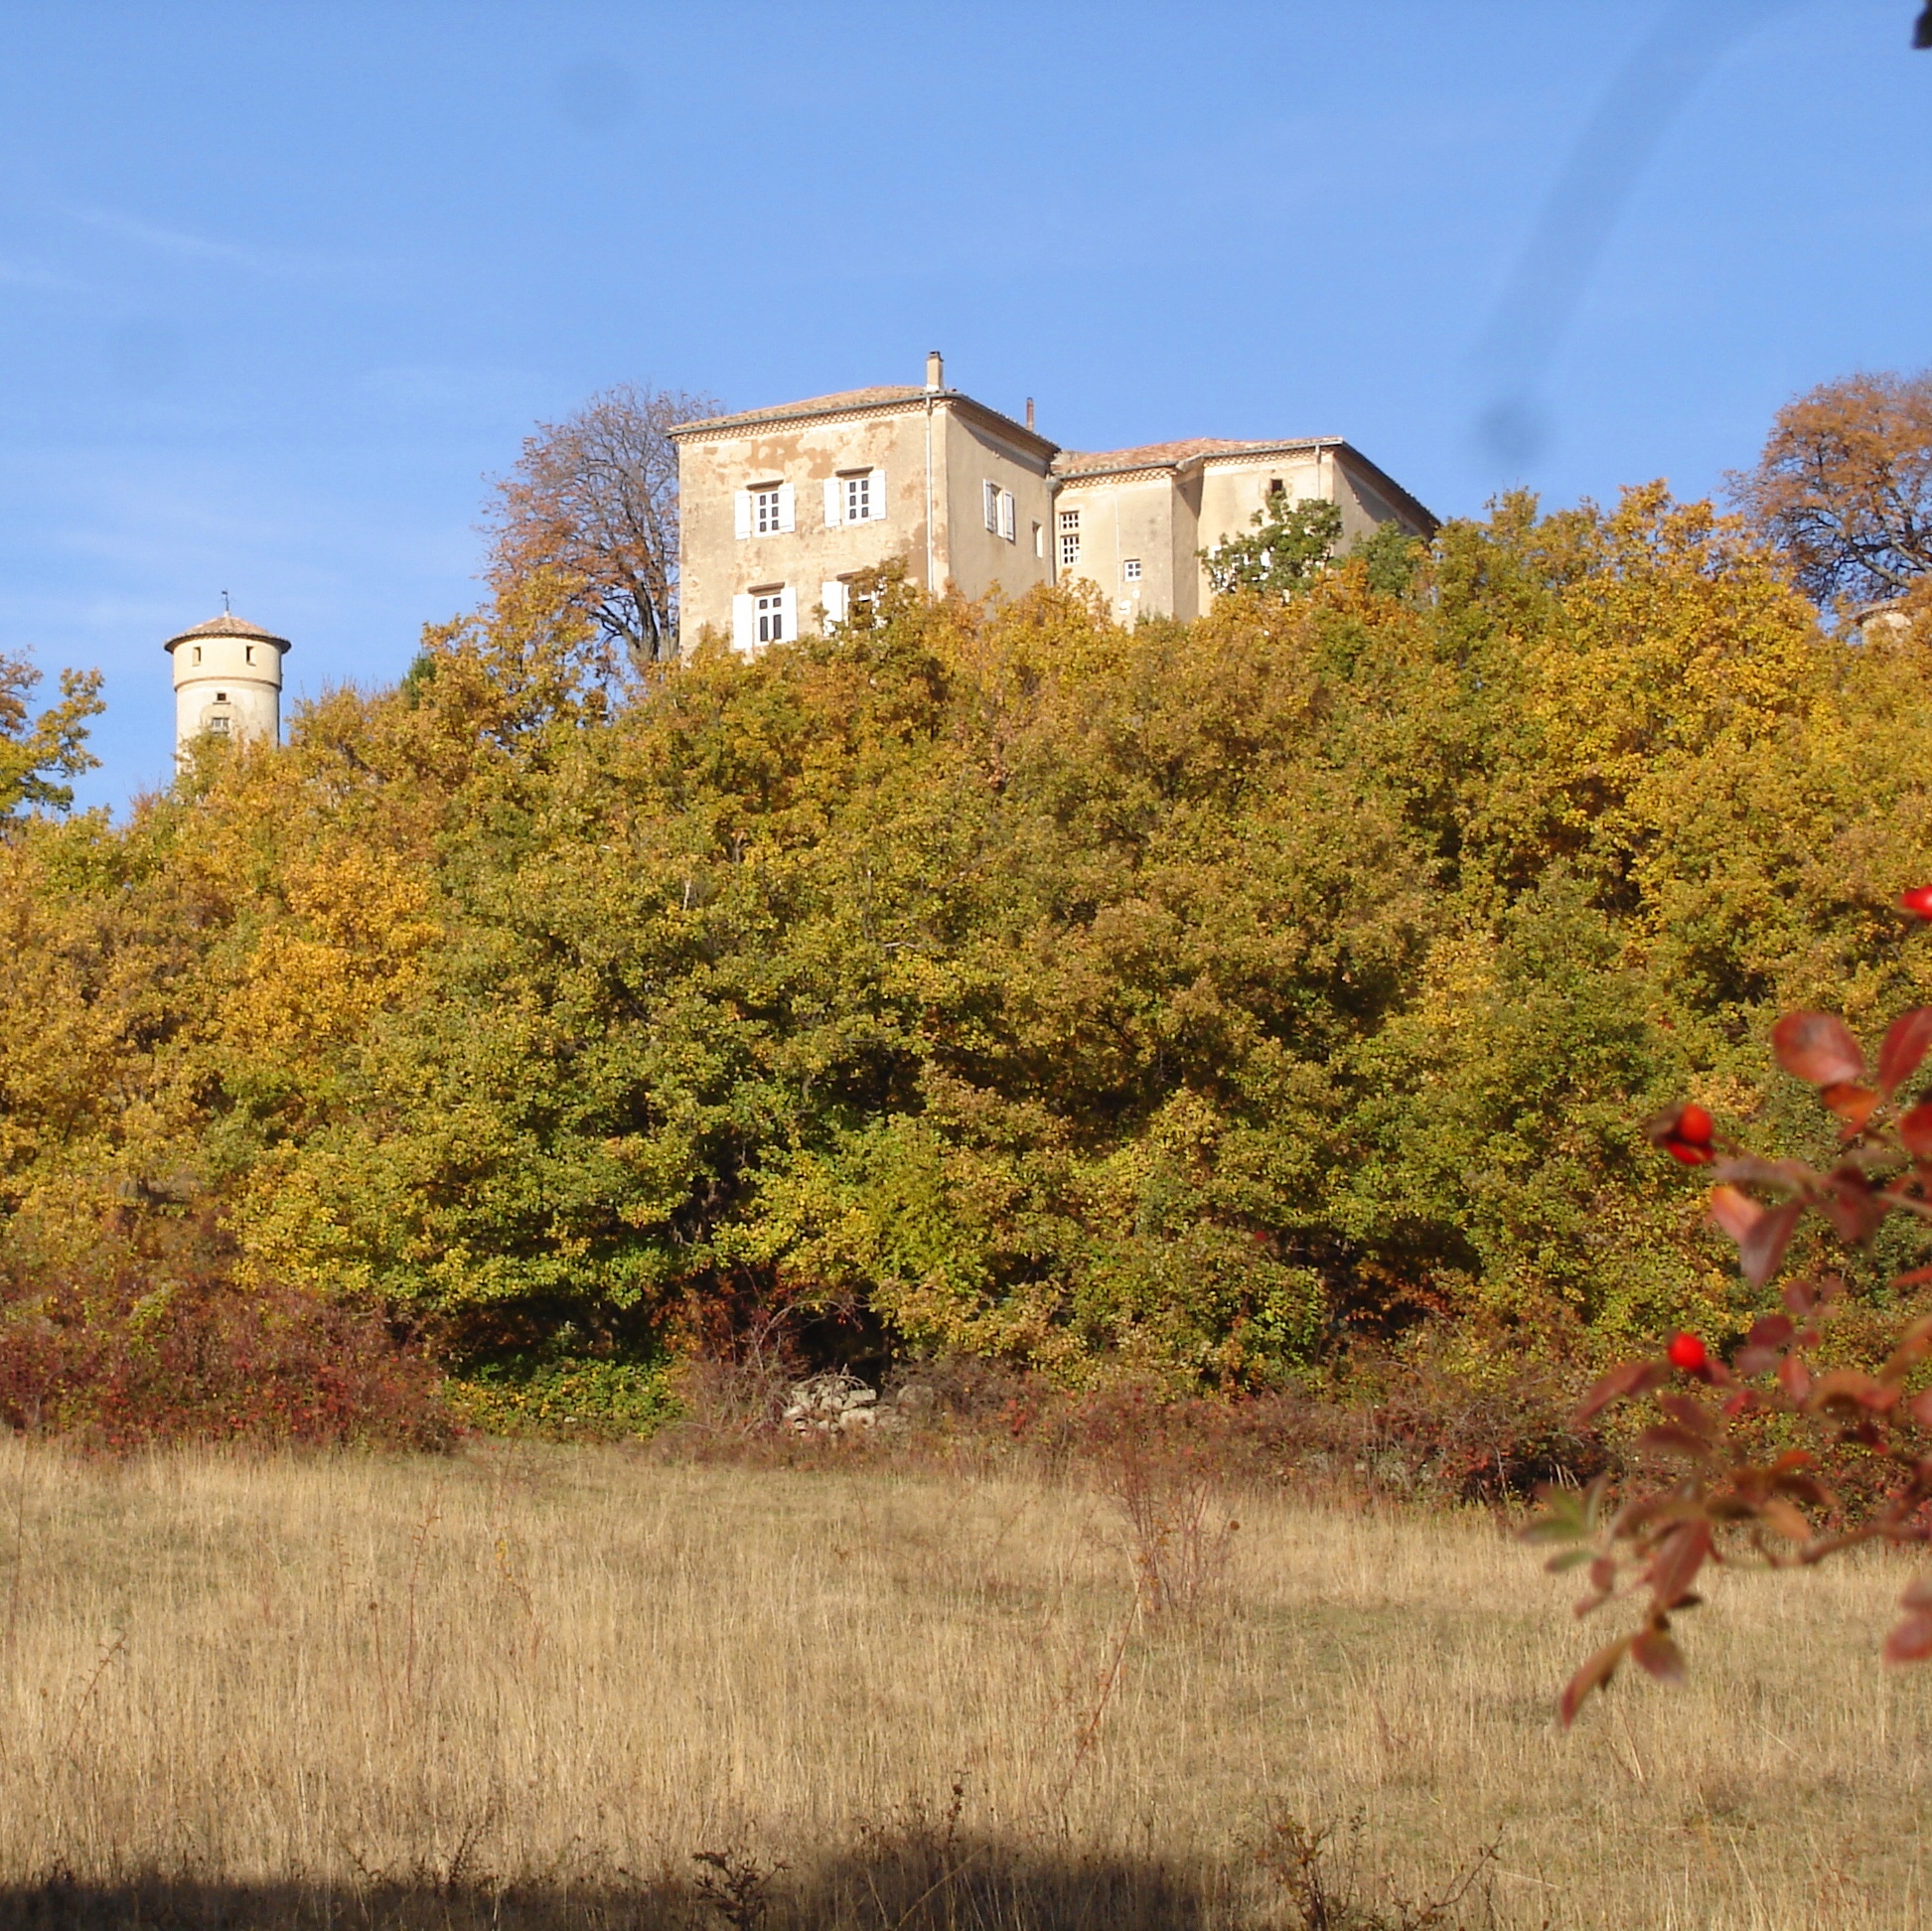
point(771, 617)
point(765, 511)
point(221, 696)
point(1070, 519)
point(1069, 548)
point(1130, 569)
point(218, 725)
point(858, 498)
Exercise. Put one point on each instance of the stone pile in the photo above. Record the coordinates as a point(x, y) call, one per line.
point(833, 1403)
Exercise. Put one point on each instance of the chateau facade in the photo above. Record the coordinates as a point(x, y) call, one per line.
point(780, 509)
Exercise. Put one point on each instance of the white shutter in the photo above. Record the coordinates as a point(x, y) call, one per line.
point(878, 496)
point(788, 509)
point(741, 512)
point(833, 487)
point(744, 625)
point(836, 599)
point(789, 609)
point(1007, 526)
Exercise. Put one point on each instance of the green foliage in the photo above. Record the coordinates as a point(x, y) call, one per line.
point(1168, 1006)
point(1291, 546)
point(37, 753)
point(571, 1399)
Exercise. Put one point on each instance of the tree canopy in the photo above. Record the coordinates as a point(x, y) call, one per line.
point(1174, 1002)
point(1843, 486)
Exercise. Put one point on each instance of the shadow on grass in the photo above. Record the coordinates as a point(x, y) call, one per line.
point(963, 1885)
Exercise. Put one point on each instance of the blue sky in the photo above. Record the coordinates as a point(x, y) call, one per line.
point(281, 284)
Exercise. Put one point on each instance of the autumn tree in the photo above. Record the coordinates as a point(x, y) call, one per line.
point(594, 498)
point(1844, 487)
point(37, 753)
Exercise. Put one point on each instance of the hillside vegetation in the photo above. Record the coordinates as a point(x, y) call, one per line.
point(1184, 1003)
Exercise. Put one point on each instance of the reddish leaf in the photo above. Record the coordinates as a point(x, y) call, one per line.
point(1762, 1232)
point(1654, 1652)
point(1735, 1211)
point(1817, 1047)
point(1853, 1105)
point(1669, 1439)
point(1911, 1641)
point(1692, 1415)
point(1849, 1386)
point(1913, 1346)
point(1852, 1207)
point(1915, 1129)
point(1785, 1519)
point(1631, 1378)
point(1771, 1331)
point(1916, 1278)
point(1918, 1594)
point(1920, 1408)
point(1794, 1377)
point(1906, 1040)
point(1675, 1567)
point(1595, 1674)
point(1752, 1360)
point(1800, 1296)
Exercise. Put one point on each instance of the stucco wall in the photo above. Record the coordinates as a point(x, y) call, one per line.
point(1123, 519)
point(971, 556)
point(716, 564)
point(229, 683)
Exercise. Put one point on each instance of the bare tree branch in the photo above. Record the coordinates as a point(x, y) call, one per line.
point(595, 497)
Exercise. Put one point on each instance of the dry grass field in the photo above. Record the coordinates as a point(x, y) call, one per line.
point(524, 1686)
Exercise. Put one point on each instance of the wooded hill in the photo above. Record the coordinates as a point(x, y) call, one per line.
point(1180, 1002)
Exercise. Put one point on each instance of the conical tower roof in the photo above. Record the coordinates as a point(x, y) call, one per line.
point(228, 624)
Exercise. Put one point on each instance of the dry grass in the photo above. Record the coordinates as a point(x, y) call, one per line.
point(362, 1690)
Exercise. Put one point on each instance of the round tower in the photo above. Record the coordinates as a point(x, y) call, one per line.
point(228, 681)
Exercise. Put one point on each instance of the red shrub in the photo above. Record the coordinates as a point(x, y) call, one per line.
point(126, 1362)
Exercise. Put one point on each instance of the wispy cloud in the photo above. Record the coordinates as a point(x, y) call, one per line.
point(183, 244)
point(19, 274)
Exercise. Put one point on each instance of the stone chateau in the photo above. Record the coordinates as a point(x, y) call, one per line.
point(781, 507)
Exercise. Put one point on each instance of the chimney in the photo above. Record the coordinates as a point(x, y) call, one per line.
point(1029, 412)
point(935, 369)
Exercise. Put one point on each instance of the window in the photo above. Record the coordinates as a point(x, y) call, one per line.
point(854, 497)
point(769, 607)
point(1130, 569)
point(1070, 519)
point(1007, 524)
point(219, 724)
point(221, 696)
point(989, 493)
point(248, 651)
point(1069, 548)
point(197, 653)
point(1274, 486)
point(1039, 541)
point(764, 512)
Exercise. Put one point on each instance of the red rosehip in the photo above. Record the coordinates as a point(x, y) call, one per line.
point(1919, 901)
point(1687, 1351)
point(1688, 1137)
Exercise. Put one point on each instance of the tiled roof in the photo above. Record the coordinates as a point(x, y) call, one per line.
point(859, 398)
point(228, 624)
point(1167, 455)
